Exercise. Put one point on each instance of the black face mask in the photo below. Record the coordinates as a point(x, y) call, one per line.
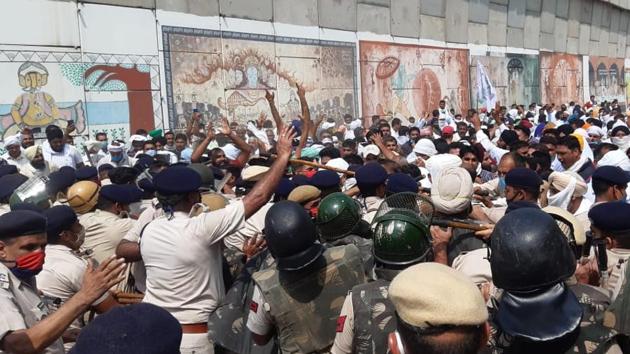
point(39, 164)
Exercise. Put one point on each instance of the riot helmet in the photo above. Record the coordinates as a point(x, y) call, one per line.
point(291, 236)
point(82, 196)
point(337, 216)
point(529, 251)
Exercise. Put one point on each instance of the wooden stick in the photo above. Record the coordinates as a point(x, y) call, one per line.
point(460, 224)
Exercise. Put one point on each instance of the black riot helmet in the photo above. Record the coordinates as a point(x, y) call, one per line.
point(529, 251)
point(291, 236)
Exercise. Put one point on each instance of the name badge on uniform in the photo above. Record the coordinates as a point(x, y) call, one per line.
point(4, 281)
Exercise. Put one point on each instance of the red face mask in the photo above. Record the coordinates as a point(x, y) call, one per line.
point(310, 173)
point(29, 265)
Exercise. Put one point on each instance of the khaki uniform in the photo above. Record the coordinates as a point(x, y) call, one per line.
point(182, 258)
point(369, 207)
point(366, 319)
point(617, 265)
point(304, 307)
point(21, 307)
point(103, 232)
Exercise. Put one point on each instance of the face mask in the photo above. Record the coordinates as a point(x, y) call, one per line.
point(117, 158)
point(150, 152)
point(502, 185)
point(104, 145)
point(29, 265)
point(310, 174)
point(621, 142)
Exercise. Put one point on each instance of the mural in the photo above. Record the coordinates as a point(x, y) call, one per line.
point(605, 78)
point(515, 78)
point(411, 80)
point(227, 73)
point(99, 92)
point(560, 78)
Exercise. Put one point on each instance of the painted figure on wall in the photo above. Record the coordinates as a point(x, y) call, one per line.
point(35, 109)
point(411, 80)
point(560, 78)
point(604, 75)
point(227, 73)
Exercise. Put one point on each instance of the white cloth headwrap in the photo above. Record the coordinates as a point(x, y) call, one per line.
point(451, 191)
point(231, 151)
point(115, 147)
point(595, 130)
point(425, 147)
point(435, 164)
point(13, 140)
point(563, 197)
point(615, 158)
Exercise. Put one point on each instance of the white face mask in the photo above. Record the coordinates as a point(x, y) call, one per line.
point(621, 142)
point(562, 198)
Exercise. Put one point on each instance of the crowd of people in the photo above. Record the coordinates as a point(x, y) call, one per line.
point(504, 230)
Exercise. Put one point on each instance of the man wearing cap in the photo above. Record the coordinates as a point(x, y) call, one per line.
point(182, 254)
point(522, 189)
point(566, 190)
point(57, 152)
point(58, 184)
point(87, 173)
point(610, 184)
point(438, 310)
point(327, 182)
point(115, 156)
point(25, 323)
point(107, 223)
point(371, 182)
point(14, 155)
point(63, 271)
point(308, 197)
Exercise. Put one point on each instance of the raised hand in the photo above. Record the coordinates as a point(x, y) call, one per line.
point(300, 90)
point(209, 131)
point(225, 126)
point(285, 141)
point(269, 96)
point(99, 279)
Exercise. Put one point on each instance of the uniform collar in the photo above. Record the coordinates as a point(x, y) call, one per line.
point(7, 279)
point(59, 248)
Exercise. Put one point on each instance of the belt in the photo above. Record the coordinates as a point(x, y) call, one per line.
point(195, 328)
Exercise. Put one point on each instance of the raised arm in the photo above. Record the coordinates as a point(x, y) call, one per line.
point(262, 191)
point(274, 111)
point(203, 145)
point(245, 149)
point(45, 332)
point(306, 121)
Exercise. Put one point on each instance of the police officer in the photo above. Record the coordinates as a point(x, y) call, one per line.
point(371, 182)
point(401, 239)
point(299, 298)
point(63, 271)
point(83, 196)
point(610, 224)
point(533, 283)
point(326, 181)
point(25, 326)
point(438, 310)
point(610, 183)
point(58, 184)
point(106, 225)
point(339, 223)
point(182, 254)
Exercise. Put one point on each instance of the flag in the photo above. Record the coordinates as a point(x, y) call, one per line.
point(486, 93)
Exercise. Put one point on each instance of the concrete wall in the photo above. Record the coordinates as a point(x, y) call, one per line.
point(148, 63)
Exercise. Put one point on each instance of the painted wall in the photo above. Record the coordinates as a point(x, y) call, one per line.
point(229, 72)
point(411, 80)
point(605, 78)
point(560, 77)
point(515, 77)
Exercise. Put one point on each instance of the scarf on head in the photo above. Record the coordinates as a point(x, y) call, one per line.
point(451, 191)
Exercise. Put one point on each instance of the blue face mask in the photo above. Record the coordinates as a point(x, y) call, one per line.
point(502, 185)
point(117, 158)
point(150, 152)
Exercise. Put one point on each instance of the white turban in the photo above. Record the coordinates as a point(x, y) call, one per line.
point(231, 151)
point(13, 140)
point(435, 164)
point(136, 137)
point(615, 158)
point(595, 130)
point(338, 163)
point(564, 180)
point(451, 191)
point(115, 147)
point(425, 147)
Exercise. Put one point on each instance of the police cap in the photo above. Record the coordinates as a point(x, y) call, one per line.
point(121, 193)
point(611, 216)
point(370, 176)
point(523, 177)
point(60, 180)
point(401, 182)
point(21, 223)
point(9, 183)
point(177, 180)
point(284, 188)
point(60, 218)
point(325, 179)
point(612, 175)
point(86, 173)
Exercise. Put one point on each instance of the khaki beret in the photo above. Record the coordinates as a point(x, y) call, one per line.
point(254, 173)
point(303, 194)
point(214, 201)
point(431, 294)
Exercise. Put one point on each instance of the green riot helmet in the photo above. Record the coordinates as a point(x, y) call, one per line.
point(401, 238)
point(337, 216)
